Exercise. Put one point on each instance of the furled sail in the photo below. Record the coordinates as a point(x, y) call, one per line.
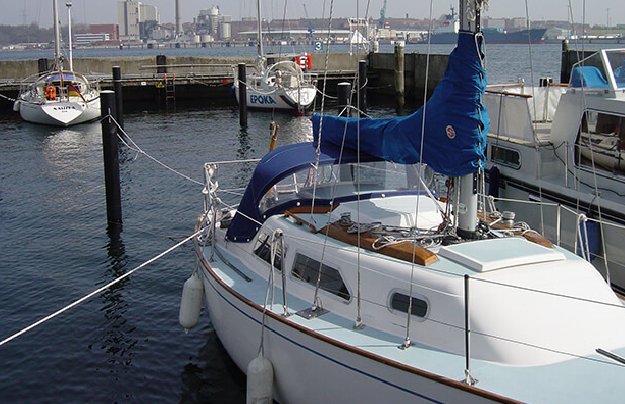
point(456, 123)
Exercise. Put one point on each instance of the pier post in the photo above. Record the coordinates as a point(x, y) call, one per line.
point(42, 65)
point(399, 75)
point(344, 90)
point(362, 85)
point(119, 109)
point(242, 94)
point(111, 161)
point(161, 61)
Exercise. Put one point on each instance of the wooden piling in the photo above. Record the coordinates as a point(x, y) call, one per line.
point(111, 161)
point(242, 94)
point(42, 65)
point(344, 90)
point(399, 75)
point(119, 108)
point(362, 85)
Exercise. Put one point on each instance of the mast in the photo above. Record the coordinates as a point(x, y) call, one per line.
point(69, 28)
point(260, 35)
point(57, 37)
point(467, 210)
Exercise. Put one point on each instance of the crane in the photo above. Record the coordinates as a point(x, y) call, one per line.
point(311, 30)
point(383, 15)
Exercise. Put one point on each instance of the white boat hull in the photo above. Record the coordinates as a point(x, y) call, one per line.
point(60, 113)
point(279, 98)
point(329, 365)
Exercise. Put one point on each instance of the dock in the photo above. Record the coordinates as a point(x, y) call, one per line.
point(146, 79)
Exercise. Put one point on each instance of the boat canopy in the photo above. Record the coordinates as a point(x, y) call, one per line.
point(275, 166)
point(456, 122)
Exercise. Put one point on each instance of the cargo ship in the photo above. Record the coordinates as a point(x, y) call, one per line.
point(447, 33)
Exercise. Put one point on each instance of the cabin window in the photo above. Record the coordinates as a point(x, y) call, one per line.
point(263, 250)
point(307, 269)
point(601, 140)
point(505, 156)
point(400, 302)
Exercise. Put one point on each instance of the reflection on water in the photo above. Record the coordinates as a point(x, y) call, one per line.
point(212, 377)
point(118, 341)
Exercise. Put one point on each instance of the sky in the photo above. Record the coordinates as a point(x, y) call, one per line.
point(19, 12)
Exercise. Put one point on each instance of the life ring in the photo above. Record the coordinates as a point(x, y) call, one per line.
point(305, 61)
point(50, 93)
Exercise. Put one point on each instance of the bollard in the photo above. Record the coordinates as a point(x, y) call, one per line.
point(344, 90)
point(119, 109)
point(399, 75)
point(242, 95)
point(362, 85)
point(111, 161)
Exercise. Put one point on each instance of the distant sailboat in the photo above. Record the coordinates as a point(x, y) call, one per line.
point(58, 97)
point(282, 85)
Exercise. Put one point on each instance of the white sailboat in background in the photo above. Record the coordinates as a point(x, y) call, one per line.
point(340, 277)
point(58, 97)
point(280, 86)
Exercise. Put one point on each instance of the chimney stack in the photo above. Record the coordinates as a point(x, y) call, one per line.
point(178, 20)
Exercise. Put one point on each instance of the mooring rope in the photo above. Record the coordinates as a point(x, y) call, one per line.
point(97, 291)
point(8, 98)
point(137, 149)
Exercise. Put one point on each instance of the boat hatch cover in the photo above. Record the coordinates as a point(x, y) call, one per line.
point(488, 255)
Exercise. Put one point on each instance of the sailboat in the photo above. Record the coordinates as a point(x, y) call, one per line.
point(280, 86)
point(342, 277)
point(562, 147)
point(58, 97)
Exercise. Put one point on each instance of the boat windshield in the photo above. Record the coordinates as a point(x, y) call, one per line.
point(345, 181)
point(599, 69)
point(616, 59)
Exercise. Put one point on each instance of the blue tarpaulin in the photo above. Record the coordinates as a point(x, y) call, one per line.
point(456, 123)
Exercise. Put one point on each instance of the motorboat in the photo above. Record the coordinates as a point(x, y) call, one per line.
point(343, 276)
point(60, 96)
point(561, 146)
point(284, 85)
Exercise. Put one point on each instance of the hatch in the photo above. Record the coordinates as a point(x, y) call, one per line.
point(488, 255)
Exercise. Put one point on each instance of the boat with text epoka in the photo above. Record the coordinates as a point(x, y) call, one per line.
point(285, 85)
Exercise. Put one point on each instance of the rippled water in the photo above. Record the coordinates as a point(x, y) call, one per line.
point(126, 345)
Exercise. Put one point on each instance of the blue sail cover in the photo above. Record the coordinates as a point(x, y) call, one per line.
point(456, 123)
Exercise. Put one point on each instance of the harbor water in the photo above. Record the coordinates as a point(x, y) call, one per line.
point(125, 345)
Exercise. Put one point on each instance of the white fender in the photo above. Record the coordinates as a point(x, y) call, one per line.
point(259, 381)
point(191, 302)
